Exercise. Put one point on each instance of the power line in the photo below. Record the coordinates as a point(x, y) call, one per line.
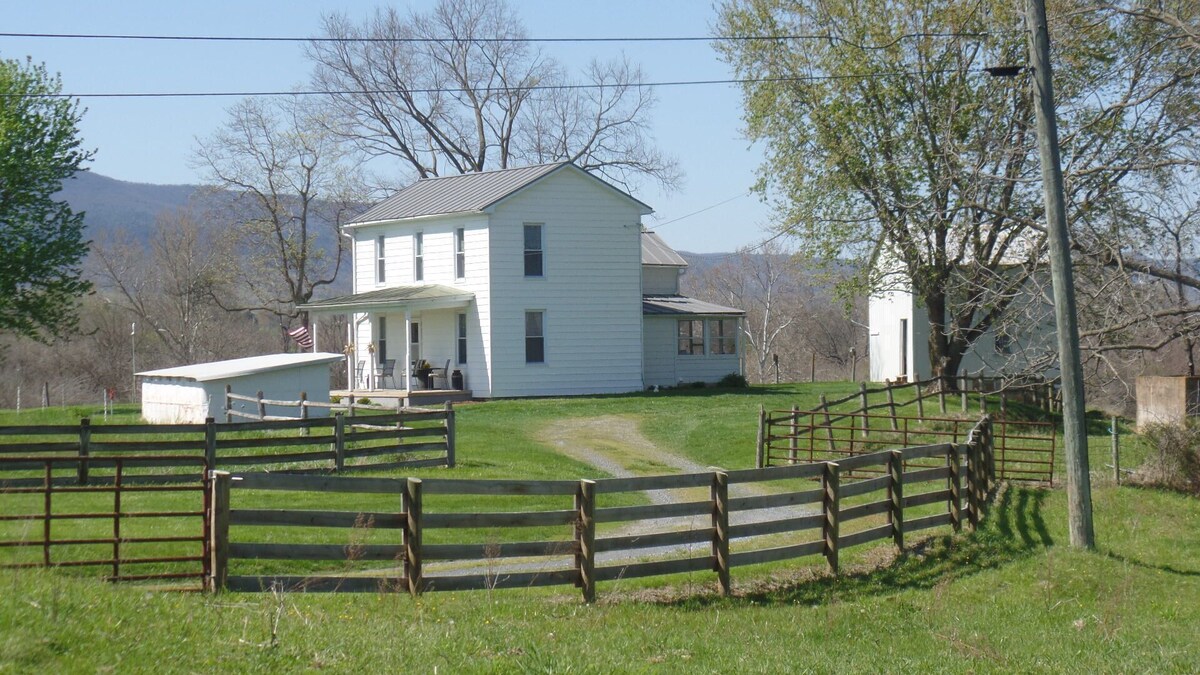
point(418, 40)
point(540, 87)
point(694, 213)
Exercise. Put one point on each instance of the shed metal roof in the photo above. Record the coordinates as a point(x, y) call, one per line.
point(221, 370)
point(424, 295)
point(656, 252)
point(466, 193)
point(665, 305)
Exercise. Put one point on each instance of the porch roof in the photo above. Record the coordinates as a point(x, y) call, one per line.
point(413, 296)
point(665, 305)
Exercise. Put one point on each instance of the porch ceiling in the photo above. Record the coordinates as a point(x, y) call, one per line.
point(413, 296)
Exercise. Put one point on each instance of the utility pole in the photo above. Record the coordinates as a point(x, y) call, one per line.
point(1079, 487)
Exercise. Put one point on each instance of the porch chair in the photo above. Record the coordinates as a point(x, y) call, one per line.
point(387, 370)
point(442, 374)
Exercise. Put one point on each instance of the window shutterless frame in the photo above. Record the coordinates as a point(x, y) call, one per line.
point(534, 251)
point(535, 337)
point(460, 253)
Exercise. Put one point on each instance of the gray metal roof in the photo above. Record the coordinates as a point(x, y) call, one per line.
point(220, 370)
point(423, 295)
point(663, 305)
point(466, 193)
point(656, 252)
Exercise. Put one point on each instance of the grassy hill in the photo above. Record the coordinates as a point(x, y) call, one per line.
point(1010, 597)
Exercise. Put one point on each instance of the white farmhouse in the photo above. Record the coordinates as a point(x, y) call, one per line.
point(526, 282)
point(899, 334)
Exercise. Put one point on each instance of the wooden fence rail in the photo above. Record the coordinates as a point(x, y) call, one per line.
point(581, 541)
point(350, 407)
point(1025, 449)
point(407, 438)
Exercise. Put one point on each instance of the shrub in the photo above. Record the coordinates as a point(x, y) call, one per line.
point(734, 381)
point(335, 399)
point(1175, 462)
point(365, 401)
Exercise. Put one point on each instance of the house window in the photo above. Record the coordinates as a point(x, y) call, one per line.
point(460, 253)
point(535, 338)
point(691, 337)
point(381, 350)
point(904, 348)
point(533, 250)
point(722, 336)
point(419, 256)
point(380, 266)
point(462, 339)
point(414, 340)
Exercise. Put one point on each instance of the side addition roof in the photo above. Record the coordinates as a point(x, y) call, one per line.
point(468, 193)
point(656, 252)
point(681, 305)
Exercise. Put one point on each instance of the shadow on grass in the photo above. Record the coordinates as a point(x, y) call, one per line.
point(1113, 555)
point(1013, 530)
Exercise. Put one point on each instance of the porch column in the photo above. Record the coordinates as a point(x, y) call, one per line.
point(407, 348)
point(312, 331)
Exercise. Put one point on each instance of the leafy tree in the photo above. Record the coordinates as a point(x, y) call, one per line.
point(888, 143)
point(41, 239)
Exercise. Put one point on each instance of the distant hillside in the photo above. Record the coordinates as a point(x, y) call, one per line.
point(110, 204)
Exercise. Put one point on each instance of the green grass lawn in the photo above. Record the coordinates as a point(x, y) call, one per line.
point(1011, 597)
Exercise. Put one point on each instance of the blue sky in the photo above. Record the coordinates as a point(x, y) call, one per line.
point(151, 140)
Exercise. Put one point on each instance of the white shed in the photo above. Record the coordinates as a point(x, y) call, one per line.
point(189, 394)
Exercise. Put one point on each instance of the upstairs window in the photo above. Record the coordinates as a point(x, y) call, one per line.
point(691, 337)
point(535, 338)
point(380, 266)
point(533, 250)
point(722, 336)
point(460, 254)
point(419, 256)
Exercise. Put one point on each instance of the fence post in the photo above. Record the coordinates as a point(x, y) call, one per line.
point(982, 400)
point(585, 561)
point(830, 504)
point(973, 475)
point(828, 423)
point(412, 536)
point(920, 403)
point(339, 442)
point(954, 462)
point(963, 394)
point(1116, 451)
point(449, 435)
point(720, 523)
point(862, 394)
point(219, 482)
point(85, 442)
point(760, 453)
point(896, 495)
point(304, 430)
point(891, 399)
point(989, 459)
point(210, 443)
point(1003, 404)
point(794, 441)
point(942, 385)
point(262, 407)
point(228, 403)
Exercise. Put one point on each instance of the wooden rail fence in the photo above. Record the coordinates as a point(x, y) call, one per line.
point(399, 439)
point(302, 405)
point(856, 424)
point(579, 541)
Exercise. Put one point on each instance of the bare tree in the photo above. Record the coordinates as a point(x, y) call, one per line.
point(292, 187)
point(459, 89)
point(169, 284)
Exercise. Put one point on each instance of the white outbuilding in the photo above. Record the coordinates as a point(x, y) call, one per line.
point(189, 394)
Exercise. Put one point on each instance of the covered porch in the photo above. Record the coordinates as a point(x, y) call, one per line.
point(404, 342)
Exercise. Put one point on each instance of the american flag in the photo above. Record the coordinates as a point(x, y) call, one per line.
point(302, 337)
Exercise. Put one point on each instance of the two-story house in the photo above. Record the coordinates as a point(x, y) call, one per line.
point(528, 282)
